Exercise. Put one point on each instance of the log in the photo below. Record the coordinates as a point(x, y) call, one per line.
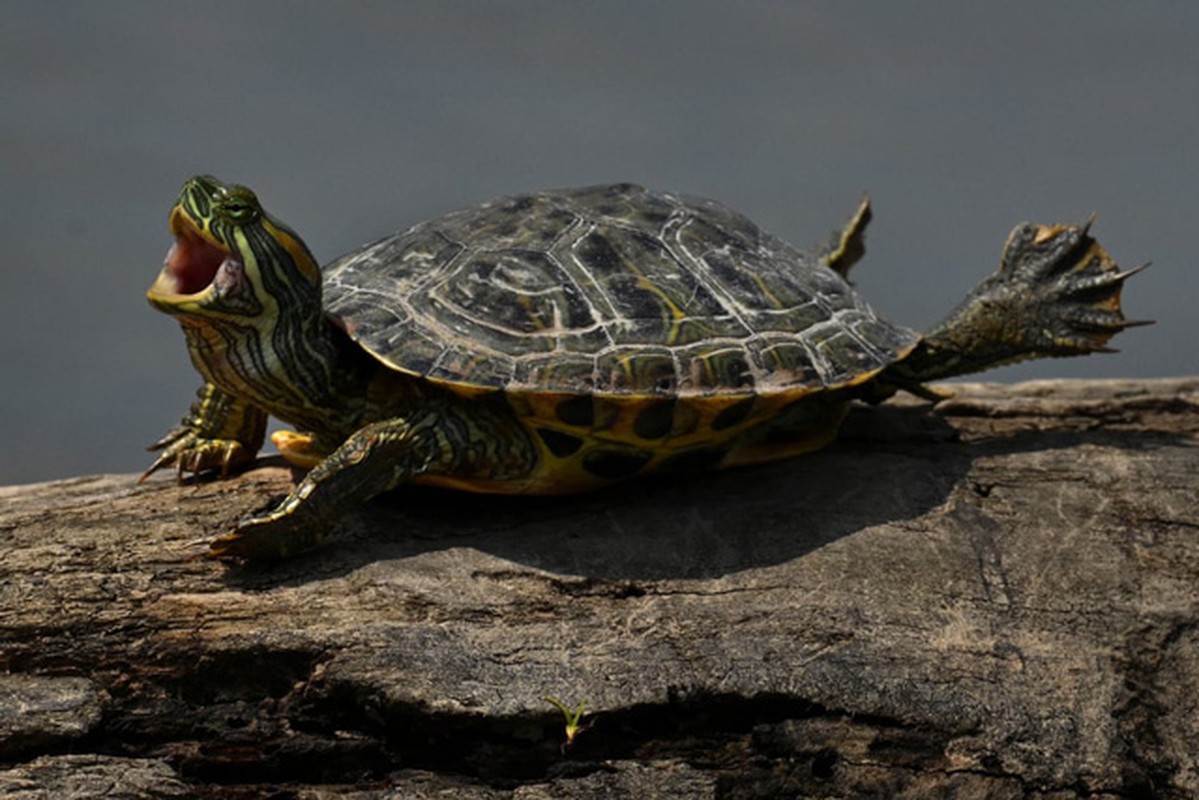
point(998, 598)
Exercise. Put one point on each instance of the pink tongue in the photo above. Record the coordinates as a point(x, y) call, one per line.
point(193, 263)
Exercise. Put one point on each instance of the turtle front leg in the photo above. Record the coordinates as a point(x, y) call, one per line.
point(220, 431)
point(458, 441)
point(375, 459)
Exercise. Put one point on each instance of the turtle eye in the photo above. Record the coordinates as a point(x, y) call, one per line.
point(238, 209)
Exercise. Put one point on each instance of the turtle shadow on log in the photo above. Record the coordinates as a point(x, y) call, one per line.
point(890, 464)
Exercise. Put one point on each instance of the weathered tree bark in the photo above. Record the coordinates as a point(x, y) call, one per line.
point(998, 599)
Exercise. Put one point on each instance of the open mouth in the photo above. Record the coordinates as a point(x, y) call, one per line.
point(193, 264)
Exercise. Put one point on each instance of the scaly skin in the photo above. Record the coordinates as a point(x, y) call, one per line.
point(256, 333)
point(445, 436)
point(220, 432)
point(247, 293)
point(1056, 294)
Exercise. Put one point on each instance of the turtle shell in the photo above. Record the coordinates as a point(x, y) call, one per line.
point(608, 290)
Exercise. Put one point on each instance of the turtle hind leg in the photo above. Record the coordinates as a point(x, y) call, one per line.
point(1056, 293)
point(1075, 284)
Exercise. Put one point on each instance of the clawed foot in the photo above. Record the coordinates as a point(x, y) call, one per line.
point(270, 537)
point(1070, 286)
point(188, 451)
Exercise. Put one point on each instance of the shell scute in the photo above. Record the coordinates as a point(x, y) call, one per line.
point(608, 290)
point(784, 355)
point(641, 370)
point(709, 369)
point(519, 301)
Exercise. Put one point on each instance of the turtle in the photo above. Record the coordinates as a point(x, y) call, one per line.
point(563, 341)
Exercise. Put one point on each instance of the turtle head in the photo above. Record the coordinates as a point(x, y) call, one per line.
point(247, 292)
point(233, 261)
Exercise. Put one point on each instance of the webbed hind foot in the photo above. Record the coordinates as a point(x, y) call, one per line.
point(1056, 293)
point(1073, 284)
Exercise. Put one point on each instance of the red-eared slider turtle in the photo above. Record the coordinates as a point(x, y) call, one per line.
point(563, 340)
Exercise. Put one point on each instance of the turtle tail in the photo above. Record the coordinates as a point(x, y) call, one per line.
point(1056, 293)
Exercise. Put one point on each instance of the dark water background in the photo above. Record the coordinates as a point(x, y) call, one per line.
point(353, 119)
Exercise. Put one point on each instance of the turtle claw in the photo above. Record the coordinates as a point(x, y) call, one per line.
point(246, 543)
point(1061, 288)
point(1056, 293)
point(272, 537)
point(158, 464)
point(188, 451)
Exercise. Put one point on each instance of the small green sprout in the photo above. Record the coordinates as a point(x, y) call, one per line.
point(574, 719)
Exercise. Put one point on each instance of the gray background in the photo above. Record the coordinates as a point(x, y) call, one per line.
point(351, 120)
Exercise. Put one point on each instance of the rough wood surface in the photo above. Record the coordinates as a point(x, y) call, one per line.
point(999, 599)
